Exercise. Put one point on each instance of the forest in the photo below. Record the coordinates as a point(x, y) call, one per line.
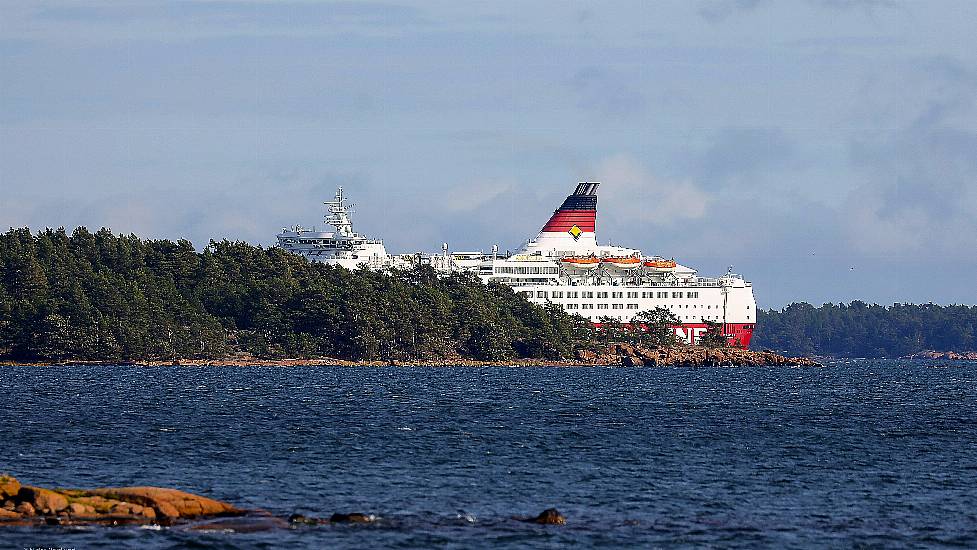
point(98, 296)
point(862, 330)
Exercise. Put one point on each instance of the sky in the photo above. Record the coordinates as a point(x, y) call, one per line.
point(826, 149)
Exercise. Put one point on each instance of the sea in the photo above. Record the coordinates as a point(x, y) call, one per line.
point(854, 454)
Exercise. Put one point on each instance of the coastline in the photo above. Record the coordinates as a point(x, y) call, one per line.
point(624, 355)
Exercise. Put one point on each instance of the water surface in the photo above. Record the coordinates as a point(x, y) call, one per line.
point(857, 453)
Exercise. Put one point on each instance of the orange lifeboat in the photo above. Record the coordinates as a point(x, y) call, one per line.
point(622, 262)
point(660, 264)
point(580, 262)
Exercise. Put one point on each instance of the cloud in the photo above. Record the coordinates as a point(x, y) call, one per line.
point(919, 188)
point(606, 92)
point(742, 151)
point(471, 196)
point(865, 5)
point(634, 194)
point(233, 12)
point(174, 21)
point(717, 11)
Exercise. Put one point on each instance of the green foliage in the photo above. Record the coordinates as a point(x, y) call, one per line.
point(713, 337)
point(99, 296)
point(656, 327)
point(861, 330)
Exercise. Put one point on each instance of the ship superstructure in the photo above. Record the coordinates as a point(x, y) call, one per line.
point(342, 246)
point(566, 266)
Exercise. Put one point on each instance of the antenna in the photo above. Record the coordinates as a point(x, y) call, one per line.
point(339, 214)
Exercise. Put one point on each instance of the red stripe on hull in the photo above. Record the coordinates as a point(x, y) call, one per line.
point(563, 220)
point(738, 334)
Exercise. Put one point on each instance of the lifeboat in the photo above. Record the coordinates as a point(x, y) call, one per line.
point(580, 262)
point(622, 262)
point(660, 264)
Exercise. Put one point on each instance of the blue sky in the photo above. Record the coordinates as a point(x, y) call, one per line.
point(825, 148)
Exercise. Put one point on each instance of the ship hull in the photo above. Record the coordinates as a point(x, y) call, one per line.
point(738, 334)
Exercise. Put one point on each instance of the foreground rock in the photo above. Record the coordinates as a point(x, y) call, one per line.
point(113, 506)
point(687, 356)
point(550, 516)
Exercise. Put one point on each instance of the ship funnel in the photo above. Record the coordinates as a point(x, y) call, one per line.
point(586, 188)
point(572, 225)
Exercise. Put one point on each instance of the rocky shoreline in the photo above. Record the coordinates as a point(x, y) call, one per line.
point(25, 505)
point(28, 505)
point(613, 355)
point(688, 356)
point(950, 355)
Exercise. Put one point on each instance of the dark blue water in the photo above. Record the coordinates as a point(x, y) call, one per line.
point(855, 454)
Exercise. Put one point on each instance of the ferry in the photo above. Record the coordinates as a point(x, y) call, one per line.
point(563, 265)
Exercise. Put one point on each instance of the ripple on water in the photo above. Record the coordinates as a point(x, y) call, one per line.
point(859, 453)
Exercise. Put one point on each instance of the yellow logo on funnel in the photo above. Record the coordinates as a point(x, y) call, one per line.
point(575, 231)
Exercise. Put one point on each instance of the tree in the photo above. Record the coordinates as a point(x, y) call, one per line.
point(713, 337)
point(656, 327)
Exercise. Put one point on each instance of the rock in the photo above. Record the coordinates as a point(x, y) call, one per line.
point(586, 355)
point(550, 516)
point(76, 508)
point(9, 486)
point(9, 505)
point(354, 517)
point(7, 515)
point(25, 508)
point(631, 361)
point(44, 501)
point(169, 503)
point(299, 519)
point(245, 524)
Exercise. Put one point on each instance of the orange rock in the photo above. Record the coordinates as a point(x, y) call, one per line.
point(45, 501)
point(550, 516)
point(7, 515)
point(9, 486)
point(169, 503)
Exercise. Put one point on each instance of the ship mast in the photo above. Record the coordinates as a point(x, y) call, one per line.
point(339, 214)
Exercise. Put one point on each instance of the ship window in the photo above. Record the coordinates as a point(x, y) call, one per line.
point(632, 306)
point(541, 294)
point(588, 294)
point(602, 295)
point(617, 306)
point(601, 306)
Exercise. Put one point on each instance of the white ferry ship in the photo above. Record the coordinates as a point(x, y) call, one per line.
point(564, 265)
point(340, 247)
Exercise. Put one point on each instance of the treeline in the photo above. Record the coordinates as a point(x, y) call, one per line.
point(861, 330)
point(98, 296)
